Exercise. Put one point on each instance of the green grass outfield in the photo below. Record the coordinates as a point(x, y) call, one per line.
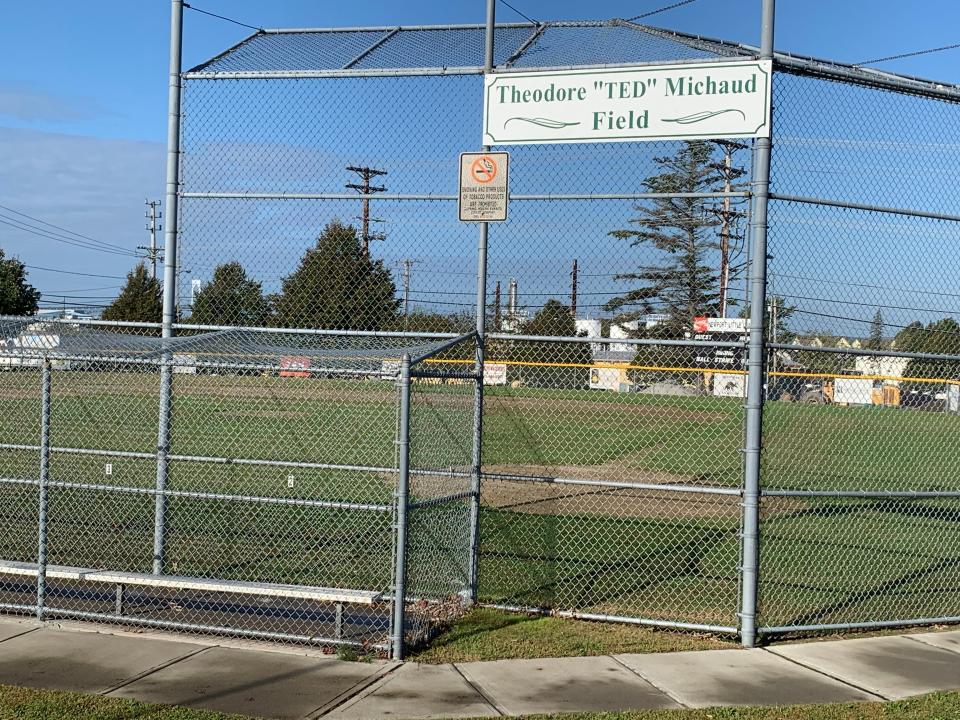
point(652, 553)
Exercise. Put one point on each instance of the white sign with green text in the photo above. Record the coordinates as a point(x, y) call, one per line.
point(727, 99)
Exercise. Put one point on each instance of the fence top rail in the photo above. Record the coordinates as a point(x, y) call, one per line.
point(414, 49)
point(386, 35)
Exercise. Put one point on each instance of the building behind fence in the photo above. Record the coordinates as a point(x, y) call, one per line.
point(329, 411)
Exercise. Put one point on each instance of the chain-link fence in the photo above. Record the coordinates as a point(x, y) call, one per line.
point(598, 469)
point(279, 502)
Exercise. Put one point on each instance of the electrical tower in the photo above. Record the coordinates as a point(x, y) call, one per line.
point(366, 190)
point(152, 251)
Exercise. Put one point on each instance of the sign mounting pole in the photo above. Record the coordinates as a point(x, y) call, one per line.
point(481, 328)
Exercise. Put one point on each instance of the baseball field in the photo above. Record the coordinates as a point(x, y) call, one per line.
point(664, 550)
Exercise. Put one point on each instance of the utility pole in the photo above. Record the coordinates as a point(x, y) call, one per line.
point(727, 215)
point(407, 264)
point(573, 291)
point(497, 311)
point(366, 190)
point(152, 252)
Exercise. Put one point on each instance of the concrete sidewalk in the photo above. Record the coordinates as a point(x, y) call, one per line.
point(297, 683)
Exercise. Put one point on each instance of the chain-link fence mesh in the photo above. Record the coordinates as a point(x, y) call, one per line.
point(269, 510)
point(860, 423)
point(612, 503)
point(319, 244)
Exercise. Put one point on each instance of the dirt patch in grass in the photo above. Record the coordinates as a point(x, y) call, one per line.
point(544, 498)
point(282, 414)
point(570, 407)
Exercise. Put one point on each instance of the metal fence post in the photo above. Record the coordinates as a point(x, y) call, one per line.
point(753, 437)
point(44, 489)
point(477, 459)
point(169, 283)
point(402, 502)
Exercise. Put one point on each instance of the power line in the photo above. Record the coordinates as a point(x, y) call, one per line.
point(74, 272)
point(888, 288)
point(63, 229)
point(909, 54)
point(660, 10)
point(222, 17)
point(60, 238)
point(870, 305)
point(525, 17)
point(73, 290)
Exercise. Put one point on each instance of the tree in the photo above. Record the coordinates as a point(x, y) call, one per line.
point(553, 364)
point(682, 284)
point(17, 296)
point(231, 298)
point(140, 299)
point(337, 285)
point(938, 338)
point(875, 340)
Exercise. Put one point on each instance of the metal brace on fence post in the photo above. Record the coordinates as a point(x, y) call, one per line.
point(403, 501)
point(44, 488)
point(477, 459)
point(169, 283)
point(753, 438)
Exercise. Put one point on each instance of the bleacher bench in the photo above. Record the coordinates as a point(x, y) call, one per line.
point(121, 580)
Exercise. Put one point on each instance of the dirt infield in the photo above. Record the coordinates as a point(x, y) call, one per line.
point(498, 404)
point(538, 495)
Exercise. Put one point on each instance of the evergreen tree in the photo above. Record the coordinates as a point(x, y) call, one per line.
point(875, 339)
point(337, 285)
point(231, 298)
point(140, 299)
point(17, 296)
point(682, 284)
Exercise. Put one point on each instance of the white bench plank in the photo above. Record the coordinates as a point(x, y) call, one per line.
point(60, 572)
point(182, 582)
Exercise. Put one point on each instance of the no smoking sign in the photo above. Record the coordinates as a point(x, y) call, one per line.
point(484, 186)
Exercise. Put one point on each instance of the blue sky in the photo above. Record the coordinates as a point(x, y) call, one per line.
point(82, 107)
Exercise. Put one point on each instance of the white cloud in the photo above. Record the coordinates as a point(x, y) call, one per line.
point(94, 186)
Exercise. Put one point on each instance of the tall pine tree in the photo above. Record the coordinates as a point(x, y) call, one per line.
point(140, 299)
point(231, 298)
point(681, 281)
point(875, 341)
point(338, 286)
